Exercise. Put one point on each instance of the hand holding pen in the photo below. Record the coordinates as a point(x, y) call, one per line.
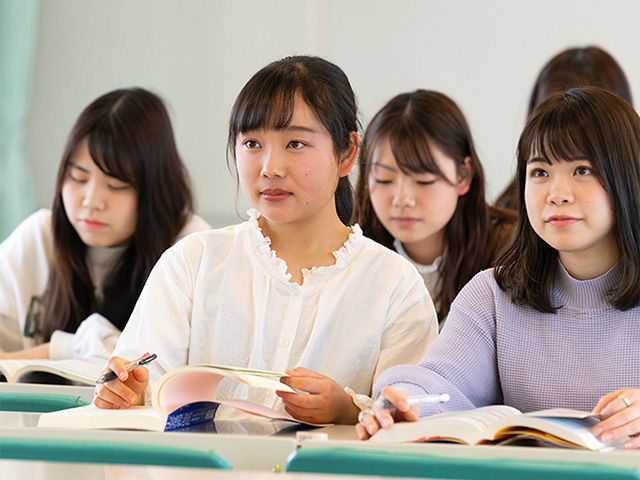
point(122, 382)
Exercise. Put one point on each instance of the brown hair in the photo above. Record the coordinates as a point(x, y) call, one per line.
point(130, 138)
point(575, 67)
point(268, 101)
point(477, 233)
point(589, 123)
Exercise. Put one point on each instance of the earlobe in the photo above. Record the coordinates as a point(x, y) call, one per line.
point(465, 177)
point(349, 158)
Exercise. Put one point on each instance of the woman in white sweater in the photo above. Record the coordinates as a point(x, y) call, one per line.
point(295, 286)
point(70, 276)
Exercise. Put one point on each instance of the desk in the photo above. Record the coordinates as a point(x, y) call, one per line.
point(19, 469)
point(86, 393)
point(245, 452)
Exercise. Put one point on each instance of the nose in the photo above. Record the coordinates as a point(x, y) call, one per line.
point(560, 191)
point(272, 165)
point(94, 196)
point(404, 195)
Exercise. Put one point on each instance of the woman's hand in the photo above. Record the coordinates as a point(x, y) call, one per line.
point(123, 391)
point(370, 423)
point(620, 413)
point(39, 351)
point(326, 402)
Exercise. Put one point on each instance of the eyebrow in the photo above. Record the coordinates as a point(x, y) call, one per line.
point(386, 167)
point(74, 165)
point(300, 128)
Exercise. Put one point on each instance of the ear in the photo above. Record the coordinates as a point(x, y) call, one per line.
point(348, 159)
point(465, 176)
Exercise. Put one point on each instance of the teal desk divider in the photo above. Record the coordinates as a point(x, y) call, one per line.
point(38, 402)
point(426, 465)
point(94, 451)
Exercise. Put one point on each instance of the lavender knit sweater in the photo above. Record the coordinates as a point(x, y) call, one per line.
point(493, 352)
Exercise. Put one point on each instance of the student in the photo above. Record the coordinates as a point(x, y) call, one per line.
point(575, 67)
point(556, 324)
point(70, 276)
point(294, 285)
point(421, 192)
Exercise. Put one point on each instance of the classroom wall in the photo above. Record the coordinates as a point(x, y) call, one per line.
point(197, 54)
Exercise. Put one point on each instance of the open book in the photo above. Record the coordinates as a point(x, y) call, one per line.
point(65, 372)
point(495, 423)
point(181, 398)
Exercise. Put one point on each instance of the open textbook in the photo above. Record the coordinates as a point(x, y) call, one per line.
point(68, 371)
point(495, 423)
point(181, 398)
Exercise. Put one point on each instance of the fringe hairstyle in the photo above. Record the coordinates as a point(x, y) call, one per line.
point(589, 123)
point(477, 233)
point(130, 138)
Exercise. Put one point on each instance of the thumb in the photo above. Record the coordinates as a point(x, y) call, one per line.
point(304, 372)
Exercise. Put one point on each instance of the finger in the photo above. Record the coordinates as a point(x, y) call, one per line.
point(306, 415)
point(606, 399)
point(118, 366)
point(138, 380)
point(309, 384)
point(361, 431)
point(397, 397)
point(116, 393)
point(370, 423)
point(632, 443)
point(305, 401)
point(100, 403)
point(624, 430)
point(616, 405)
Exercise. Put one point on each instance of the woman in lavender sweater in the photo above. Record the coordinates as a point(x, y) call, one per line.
point(557, 323)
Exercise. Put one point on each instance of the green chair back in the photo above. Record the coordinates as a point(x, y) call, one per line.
point(93, 451)
point(38, 402)
point(426, 465)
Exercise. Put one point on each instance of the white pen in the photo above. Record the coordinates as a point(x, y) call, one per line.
point(426, 399)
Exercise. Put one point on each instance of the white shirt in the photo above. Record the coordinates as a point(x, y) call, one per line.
point(224, 297)
point(430, 273)
point(25, 262)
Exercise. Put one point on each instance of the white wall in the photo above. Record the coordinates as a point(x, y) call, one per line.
point(197, 55)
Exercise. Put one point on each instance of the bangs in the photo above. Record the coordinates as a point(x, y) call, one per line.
point(112, 158)
point(556, 146)
point(412, 151)
point(269, 107)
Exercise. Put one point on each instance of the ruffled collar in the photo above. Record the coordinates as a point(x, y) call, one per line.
point(316, 275)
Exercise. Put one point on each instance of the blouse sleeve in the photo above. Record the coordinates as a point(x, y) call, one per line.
point(161, 320)
point(95, 338)
point(462, 360)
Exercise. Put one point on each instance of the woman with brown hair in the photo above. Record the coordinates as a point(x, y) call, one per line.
point(70, 276)
point(421, 192)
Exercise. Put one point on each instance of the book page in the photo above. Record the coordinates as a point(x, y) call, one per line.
point(92, 417)
point(81, 371)
point(468, 426)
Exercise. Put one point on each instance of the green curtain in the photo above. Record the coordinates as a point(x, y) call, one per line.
point(18, 38)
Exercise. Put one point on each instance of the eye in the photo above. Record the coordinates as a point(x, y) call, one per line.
point(77, 176)
point(382, 182)
point(538, 173)
point(296, 144)
point(583, 170)
point(118, 188)
point(251, 144)
point(425, 182)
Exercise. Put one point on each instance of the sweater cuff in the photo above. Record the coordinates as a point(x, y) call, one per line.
point(61, 345)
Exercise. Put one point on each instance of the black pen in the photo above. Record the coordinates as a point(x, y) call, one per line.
point(143, 360)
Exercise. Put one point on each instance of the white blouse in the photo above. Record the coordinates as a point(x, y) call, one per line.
point(224, 297)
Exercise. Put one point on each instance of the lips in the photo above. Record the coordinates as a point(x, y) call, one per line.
point(405, 221)
point(275, 194)
point(92, 223)
point(561, 220)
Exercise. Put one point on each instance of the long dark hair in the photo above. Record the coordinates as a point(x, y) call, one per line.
point(589, 123)
point(129, 137)
point(477, 233)
point(268, 101)
point(575, 67)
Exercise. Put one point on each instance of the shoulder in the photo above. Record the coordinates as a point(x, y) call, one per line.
point(33, 232)
point(481, 294)
point(194, 224)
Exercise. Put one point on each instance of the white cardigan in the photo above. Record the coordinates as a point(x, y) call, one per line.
point(25, 262)
point(223, 297)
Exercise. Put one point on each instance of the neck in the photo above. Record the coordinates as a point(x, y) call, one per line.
point(425, 251)
point(583, 266)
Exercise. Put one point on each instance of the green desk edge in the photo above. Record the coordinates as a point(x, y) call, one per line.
point(94, 451)
point(421, 465)
point(38, 402)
